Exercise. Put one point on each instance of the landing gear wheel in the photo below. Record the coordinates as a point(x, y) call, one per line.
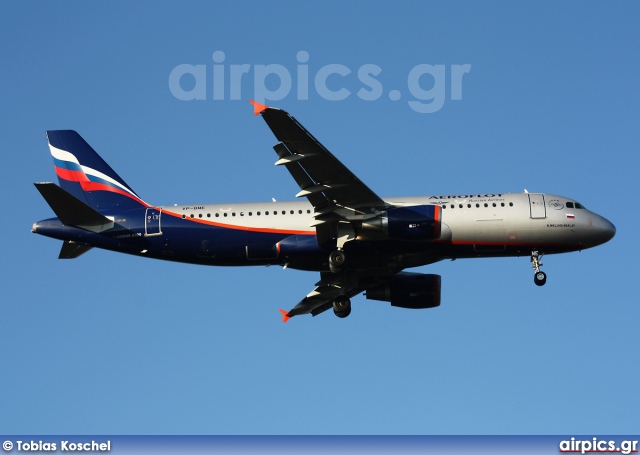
point(342, 306)
point(540, 278)
point(337, 259)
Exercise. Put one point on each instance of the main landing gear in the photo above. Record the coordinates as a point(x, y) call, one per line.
point(342, 303)
point(337, 259)
point(342, 306)
point(539, 278)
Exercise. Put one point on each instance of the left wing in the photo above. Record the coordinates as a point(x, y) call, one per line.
point(334, 191)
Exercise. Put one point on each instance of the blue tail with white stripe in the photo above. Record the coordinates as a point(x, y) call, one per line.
point(82, 173)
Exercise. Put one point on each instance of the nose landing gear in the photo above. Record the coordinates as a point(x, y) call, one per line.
point(539, 278)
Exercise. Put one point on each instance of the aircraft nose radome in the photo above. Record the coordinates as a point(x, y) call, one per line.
point(608, 229)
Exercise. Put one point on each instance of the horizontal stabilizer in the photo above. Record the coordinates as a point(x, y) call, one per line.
point(71, 250)
point(71, 211)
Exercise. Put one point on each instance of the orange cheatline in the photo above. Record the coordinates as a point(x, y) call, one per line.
point(257, 107)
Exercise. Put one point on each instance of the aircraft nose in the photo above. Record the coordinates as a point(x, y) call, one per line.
point(608, 229)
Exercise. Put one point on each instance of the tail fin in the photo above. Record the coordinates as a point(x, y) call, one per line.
point(82, 173)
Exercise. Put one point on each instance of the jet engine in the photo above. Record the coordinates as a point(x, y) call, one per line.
point(416, 223)
point(298, 245)
point(408, 290)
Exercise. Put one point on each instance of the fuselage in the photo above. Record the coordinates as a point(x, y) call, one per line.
point(243, 234)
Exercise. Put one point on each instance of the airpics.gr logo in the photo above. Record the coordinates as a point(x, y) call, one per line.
point(426, 84)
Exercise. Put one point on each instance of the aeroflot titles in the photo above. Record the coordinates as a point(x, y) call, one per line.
point(466, 196)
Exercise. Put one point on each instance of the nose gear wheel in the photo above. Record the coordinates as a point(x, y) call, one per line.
point(539, 278)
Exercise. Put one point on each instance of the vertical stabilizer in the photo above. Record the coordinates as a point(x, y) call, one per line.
point(84, 174)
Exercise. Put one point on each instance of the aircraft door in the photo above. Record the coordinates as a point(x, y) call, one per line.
point(536, 203)
point(152, 222)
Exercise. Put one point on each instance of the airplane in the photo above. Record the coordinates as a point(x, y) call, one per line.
point(357, 240)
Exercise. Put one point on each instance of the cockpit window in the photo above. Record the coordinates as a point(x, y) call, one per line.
point(577, 205)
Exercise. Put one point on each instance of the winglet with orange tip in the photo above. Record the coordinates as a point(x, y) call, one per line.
point(257, 107)
point(285, 318)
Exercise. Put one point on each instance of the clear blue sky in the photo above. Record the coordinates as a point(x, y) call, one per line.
point(109, 343)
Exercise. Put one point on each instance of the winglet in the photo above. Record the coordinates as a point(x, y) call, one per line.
point(285, 318)
point(257, 107)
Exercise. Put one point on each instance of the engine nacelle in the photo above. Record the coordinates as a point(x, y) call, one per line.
point(408, 290)
point(298, 245)
point(416, 223)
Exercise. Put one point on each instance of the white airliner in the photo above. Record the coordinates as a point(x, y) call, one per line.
point(357, 240)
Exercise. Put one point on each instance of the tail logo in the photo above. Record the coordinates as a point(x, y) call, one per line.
point(69, 168)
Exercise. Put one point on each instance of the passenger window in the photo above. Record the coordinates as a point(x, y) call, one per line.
point(510, 204)
point(184, 216)
point(217, 215)
point(250, 214)
point(208, 215)
point(284, 212)
point(444, 206)
point(275, 212)
point(502, 204)
point(225, 214)
point(200, 215)
point(494, 204)
point(468, 206)
point(300, 212)
point(257, 213)
point(486, 205)
point(308, 211)
point(241, 213)
point(191, 215)
point(266, 213)
point(477, 206)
